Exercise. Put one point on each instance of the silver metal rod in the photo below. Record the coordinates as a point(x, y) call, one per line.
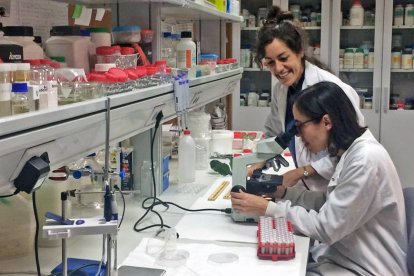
point(64, 257)
point(107, 135)
point(108, 255)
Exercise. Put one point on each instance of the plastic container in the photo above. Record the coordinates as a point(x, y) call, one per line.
point(146, 36)
point(396, 58)
point(349, 58)
point(5, 90)
point(23, 36)
point(409, 15)
point(9, 51)
point(100, 36)
point(186, 51)
point(67, 41)
point(371, 58)
point(359, 59)
point(210, 60)
point(398, 15)
point(20, 101)
point(356, 14)
point(221, 142)
point(407, 59)
point(186, 158)
point(126, 34)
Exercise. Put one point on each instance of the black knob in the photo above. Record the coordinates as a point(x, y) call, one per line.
point(237, 188)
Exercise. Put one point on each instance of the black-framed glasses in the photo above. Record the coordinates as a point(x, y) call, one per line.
point(300, 125)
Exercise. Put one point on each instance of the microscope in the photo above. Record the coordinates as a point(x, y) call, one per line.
point(260, 183)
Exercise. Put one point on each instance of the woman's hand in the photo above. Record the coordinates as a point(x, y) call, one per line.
point(251, 168)
point(292, 177)
point(248, 203)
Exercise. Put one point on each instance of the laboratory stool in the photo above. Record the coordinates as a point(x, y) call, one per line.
point(409, 212)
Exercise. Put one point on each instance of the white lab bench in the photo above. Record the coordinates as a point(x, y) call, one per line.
point(208, 225)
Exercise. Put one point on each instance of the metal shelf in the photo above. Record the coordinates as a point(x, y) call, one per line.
point(357, 70)
point(357, 27)
point(402, 70)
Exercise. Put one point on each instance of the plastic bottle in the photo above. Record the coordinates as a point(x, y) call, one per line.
point(38, 84)
point(359, 59)
point(349, 58)
point(100, 36)
point(396, 58)
point(409, 15)
point(23, 36)
point(407, 59)
point(5, 90)
point(371, 58)
point(51, 82)
point(186, 158)
point(20, 102)
point(356, 14)
point(398, 15)
point(186, 51)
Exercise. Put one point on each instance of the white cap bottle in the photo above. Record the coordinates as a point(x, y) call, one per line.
point(186, 158)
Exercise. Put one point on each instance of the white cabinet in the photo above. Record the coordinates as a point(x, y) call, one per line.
point(389, 87)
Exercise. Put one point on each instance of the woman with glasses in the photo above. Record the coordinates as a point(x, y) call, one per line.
point(360, 220)
point(281, 48)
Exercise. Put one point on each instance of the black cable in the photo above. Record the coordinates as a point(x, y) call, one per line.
point(123, 205)
point(73, 271)
point(36, 234)
point(15, 193)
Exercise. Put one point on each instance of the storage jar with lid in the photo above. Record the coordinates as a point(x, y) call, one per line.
point(68, 41)
point(100, 36)
point(396, 58)
point(398, 15)
point(20, 102)
point(407, 59)
point(359, 58)
point(23, 36)
point(5, 90)
point(371, 58)
point(356, 14)
point(409, 15)
point(349, 58)
point(126, 34)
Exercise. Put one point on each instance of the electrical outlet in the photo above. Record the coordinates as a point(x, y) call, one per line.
point(5, 8)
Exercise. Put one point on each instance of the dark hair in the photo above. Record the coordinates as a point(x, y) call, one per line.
point(280, 25)
point(328, 98)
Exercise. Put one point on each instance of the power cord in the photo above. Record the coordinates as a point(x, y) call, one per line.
point(36, 234)
point(156, 201)
point(123, 205)
point(13, 194)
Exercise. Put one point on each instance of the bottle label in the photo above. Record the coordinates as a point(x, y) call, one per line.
point(33, 92)
point(52, 97)
point(188, 59)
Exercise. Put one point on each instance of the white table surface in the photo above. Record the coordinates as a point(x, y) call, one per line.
point(129, 241)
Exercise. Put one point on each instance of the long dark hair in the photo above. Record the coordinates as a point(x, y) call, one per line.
point(328, 98)
point(280, 25)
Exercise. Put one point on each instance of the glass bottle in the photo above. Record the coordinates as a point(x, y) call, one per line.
point(38, 82)
point(20, 102)
point(5, 90)
point(52, 86)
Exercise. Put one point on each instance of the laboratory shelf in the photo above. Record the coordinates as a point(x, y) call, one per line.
point(177, 8)
point(357, 27)
point(250, 28)
point(357, 70)
point(70, 132)
point(402, 70)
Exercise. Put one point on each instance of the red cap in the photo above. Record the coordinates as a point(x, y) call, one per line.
point(187, 132)
point(160, 62)
point(127, 51)
point(132, 75)
point(168, 70)
point(121, 75)
point(111, 77)
point(46, 61)
point(247, 151)
point(151, 70)
point(116, 48)
point(97, 77)
point(147, 31)
point(105, 51)
point(237, 154)
point(34, 62)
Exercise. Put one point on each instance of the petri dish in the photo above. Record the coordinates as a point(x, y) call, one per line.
point(173, 258)
point(222, 258)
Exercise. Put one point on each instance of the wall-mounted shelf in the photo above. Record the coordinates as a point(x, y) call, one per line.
point(72, 131)
point(402, 70)
point(185, 9)
point(357, 70)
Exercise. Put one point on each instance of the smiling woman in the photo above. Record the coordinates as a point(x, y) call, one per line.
point(281, 49)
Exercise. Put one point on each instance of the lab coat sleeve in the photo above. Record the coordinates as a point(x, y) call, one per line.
point(273, 123)
point(349, 205)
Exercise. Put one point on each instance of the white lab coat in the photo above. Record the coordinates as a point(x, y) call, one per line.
point(275, 124)
point(360, 220)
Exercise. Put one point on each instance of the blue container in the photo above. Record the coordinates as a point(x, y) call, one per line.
point(166, 180)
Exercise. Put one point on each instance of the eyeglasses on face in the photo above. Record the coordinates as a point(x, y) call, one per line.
point(299, 125)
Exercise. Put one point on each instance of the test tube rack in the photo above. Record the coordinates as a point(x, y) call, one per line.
point(275, 239)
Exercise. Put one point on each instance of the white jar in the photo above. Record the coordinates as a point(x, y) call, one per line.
point(409, 15)
point(186, 51)
point(252, 99)
point(407, 59)
point(186, 158)
point(100, 37)
point(371, 58)
point(359, 59)
point(356, 14)
point(398, 15)
point(349, 58)
point(396, 58)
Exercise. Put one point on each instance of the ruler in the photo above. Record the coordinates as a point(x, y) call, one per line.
point(227, 196)
point(218, 191)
